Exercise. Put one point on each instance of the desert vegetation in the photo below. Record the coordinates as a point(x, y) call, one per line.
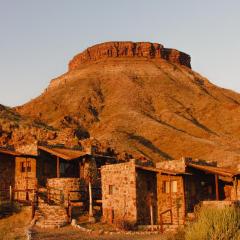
point(7, 208)
point(213, 223)
point(13, 224)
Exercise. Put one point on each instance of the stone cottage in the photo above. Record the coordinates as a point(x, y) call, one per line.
point(62, 171)
point(135, 194)
point(17, 170)
point(58, 168)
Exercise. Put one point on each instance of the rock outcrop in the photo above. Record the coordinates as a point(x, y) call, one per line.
point(129, 49)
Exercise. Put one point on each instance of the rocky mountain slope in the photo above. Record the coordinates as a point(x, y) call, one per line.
point(144, 99)
point(23, 133)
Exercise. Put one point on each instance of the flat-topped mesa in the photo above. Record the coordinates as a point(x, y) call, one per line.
point(129, 49)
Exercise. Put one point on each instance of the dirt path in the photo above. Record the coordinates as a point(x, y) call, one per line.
point(70, 233)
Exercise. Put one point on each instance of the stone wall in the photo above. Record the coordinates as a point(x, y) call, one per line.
point(129, 49)
point(25, 177)
point(119, 193)
point(238, 190)
point(129, 190)
point(179, 165)
point(235, 195)
point(174, 165)
point(220, 204)
point(171, 199)
point(59, 188)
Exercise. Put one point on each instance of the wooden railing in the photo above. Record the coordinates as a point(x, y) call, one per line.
point(15, 195)
point(83, 199)
point(11, 194)
point(161, 217)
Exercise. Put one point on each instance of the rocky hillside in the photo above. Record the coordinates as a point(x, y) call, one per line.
point(23, 133)
point(144, 99)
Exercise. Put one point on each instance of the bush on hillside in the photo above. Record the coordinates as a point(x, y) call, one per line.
point(215, 224)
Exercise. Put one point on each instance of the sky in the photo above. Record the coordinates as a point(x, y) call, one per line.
point(38, 38)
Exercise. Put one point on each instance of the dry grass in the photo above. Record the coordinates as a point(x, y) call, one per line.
point(14, 227)
point(215, 224)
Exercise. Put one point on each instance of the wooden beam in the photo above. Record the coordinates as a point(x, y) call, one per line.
point(235, 185)
point(216, 187)
point(58, 168)
point(183, 179)
point(26, 178)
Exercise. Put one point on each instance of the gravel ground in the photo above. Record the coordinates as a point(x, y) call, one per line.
point(70, 233)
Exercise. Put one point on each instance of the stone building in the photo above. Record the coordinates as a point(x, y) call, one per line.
point(56, 168)
point(205, 180)
point(18, 171)
point(135, 194)
point(62, 170)
point(132, 193)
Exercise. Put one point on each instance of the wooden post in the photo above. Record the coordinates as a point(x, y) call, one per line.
point(217, 187)
point(10, 194)
point(151, 213)
point(33, 204)
point(161, 223)
point(235, 184)
point(70, 213)
point(58, 168)
point(26, 178)
point(90, 200)
point(184, 198)
point(48, 195)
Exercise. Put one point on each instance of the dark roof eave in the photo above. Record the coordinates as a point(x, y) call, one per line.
point(214, 170)
point(16, 154)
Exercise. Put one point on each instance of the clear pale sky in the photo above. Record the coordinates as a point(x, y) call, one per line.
point(38, 38)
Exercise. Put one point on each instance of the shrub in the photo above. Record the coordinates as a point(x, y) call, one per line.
point(125, 225)
point(7, 208)
point(215, 224)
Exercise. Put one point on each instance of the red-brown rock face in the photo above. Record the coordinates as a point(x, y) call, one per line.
point(129, 49)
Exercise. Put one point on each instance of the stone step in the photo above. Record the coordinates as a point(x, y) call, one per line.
point(51, 216)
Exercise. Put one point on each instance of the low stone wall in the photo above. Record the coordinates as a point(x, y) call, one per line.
point(59, 188)
point(174, 165)
point(220, 204)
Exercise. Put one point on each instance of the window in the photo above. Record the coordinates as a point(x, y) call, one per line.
point(169, 186)
point(166, 187)
point(22, 167)
point(28, 166)
point(25, 166)
point(174, 186)
point(110, 189)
